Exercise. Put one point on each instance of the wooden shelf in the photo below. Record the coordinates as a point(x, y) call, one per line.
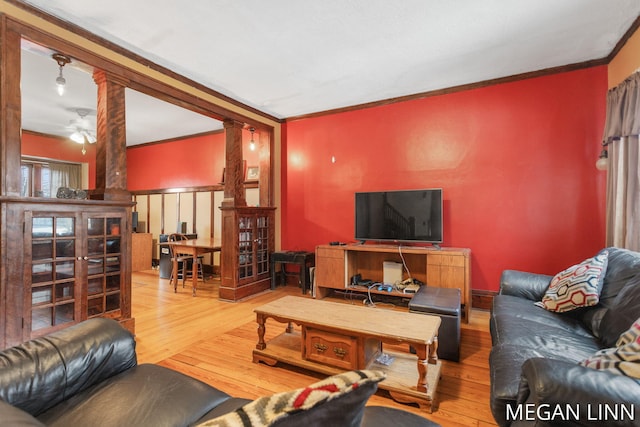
point(374, 290)
point(444, 268)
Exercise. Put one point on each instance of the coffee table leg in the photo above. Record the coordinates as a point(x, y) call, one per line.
point(423, 361)
point(261, 329)
point(433, 351)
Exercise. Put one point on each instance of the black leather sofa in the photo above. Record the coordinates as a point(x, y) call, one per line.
point(535, 352)
point(88, 375)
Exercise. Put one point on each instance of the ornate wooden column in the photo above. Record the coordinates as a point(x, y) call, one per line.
point(247, 232)
point(233, 197)
point(11, 107)
point(111, 149)
point(234, 193)
point(11, 276)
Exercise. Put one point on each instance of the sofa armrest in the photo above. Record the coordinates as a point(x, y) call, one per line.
point(41, 373)
point(592, 394)
point(522, 284)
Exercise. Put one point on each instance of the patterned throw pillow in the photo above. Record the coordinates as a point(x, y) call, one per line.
point(577, 286)
point(623, 359)
point(278, 408)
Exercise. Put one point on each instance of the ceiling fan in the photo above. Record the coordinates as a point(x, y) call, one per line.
point(80, 128)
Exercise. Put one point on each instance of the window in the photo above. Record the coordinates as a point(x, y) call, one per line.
point(43, 178)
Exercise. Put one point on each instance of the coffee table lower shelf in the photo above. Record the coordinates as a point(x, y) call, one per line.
point(402, 375)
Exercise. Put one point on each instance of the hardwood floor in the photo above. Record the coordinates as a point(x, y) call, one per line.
point(213, 341)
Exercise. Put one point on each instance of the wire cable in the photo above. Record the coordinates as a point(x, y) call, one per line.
point(370, 303)
point(403, 261)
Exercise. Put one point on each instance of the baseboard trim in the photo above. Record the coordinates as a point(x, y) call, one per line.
point(482, 300)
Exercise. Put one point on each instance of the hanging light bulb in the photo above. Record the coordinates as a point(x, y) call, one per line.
point(60, 82)
point(82, 134)
point(603, 161)
point(62, 60)
point(77, 137)
point(252, 143)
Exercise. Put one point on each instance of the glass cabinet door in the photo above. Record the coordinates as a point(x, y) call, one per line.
point(245, 246)
point(103, 264)
point(253, 245)
point(74, 267)
point(54, 248)
point(262, 244)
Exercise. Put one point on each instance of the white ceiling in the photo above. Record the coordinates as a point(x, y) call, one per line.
point(295, 57)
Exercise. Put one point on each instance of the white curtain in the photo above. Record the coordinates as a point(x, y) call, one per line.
point(623, 181)
point(623, 194)
point(65, 175)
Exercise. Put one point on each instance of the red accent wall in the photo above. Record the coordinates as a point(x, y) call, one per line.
point(516, 162)
point(189, 162)
point(60, 149)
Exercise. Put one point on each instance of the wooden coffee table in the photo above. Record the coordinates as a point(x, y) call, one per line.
point(335, 337)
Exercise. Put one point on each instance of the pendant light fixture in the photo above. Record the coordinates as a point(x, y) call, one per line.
point(81, 132)
point(252, 143)
point(603, 160)
point(62, 60)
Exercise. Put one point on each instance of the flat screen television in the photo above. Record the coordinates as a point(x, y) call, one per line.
point(403, 215)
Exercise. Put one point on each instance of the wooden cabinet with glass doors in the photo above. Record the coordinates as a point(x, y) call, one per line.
point(75, 265)
point(248, 242)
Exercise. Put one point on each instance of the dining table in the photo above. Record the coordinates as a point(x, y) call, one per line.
point(194, 248)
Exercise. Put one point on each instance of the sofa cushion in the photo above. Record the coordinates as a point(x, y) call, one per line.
point(624, 358)
point(622, 266)
point(337, 400)
point(146, 395)
point(517, 321)
point(577, 286)
point(624, 310)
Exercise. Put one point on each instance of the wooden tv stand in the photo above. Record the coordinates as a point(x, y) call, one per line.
point(444, 268)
